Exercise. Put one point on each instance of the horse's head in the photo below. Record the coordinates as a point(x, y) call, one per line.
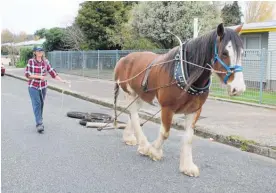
point(227, 58)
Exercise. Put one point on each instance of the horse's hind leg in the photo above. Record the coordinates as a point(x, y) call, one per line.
point(155, 150)
point(135, 123)
point(187, 165)
point(128, 134)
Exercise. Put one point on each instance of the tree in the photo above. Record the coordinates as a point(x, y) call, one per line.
point(98, 19)
point(7, 36)
point(128, 38)
point(74, 38)
point(152, 20)
point(40, 33)
point(30, 37)
point(21, 37)
point(231, 14)
point(259, 11)
point(54, 40)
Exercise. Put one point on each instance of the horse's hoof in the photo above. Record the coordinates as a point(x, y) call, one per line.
point(130, 140)
point(190, 170)
point(143, 149)
point(155, 154)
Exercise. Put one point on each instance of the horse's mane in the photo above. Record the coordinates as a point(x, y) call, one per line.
point(200, 51)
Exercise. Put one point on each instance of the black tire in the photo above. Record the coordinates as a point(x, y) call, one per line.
point(83, 122)
point(100, 116)
point(82, 115)
point(77, 115)
point(93, 119)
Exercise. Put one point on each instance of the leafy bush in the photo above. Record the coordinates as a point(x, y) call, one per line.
point(25, 55)
point(9, 50)
point(21, 64)
point(4, 50)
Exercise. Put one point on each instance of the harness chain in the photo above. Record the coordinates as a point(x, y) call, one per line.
point(101, 128)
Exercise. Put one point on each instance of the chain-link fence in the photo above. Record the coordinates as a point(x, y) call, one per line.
point(93, 64)
point(259, 70)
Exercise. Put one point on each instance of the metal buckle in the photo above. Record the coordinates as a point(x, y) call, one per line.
point(181, 79)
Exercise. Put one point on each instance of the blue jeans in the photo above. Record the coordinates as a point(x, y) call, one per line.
point(37, 103)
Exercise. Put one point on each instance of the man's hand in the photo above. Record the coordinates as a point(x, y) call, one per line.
point(36, 77)
point(41, 78)
point(61, 80)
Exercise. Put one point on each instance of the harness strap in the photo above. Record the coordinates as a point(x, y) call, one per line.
point(181, 78)
point(229, 69)
point(145, 80)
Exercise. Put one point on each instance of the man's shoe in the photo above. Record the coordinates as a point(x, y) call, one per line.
point(40, 128)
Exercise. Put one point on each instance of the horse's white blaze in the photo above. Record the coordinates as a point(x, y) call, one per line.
point(231, 52)
point(186, 159)
point(237, 86)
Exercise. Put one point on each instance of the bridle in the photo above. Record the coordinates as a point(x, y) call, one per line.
point(229, 69)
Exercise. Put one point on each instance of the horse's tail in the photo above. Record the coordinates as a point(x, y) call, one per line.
point(116, 93)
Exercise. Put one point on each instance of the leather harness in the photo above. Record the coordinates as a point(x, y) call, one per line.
point(178, 76)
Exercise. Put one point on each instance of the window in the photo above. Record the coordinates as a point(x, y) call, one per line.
point(252, 46)
point(252, 41)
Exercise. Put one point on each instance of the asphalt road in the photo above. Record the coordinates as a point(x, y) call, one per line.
point(71, 158)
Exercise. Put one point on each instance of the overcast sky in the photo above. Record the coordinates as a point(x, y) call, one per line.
point(31, 15)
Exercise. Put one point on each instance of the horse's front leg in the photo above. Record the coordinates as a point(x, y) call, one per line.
point(155, 150)
point(187, 165)
point(196, 117)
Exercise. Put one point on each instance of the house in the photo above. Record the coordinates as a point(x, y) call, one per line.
point(7, 59)
point(259, 59)
point(30, 43)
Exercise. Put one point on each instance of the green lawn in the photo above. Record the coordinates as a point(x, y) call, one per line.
point(250, 95)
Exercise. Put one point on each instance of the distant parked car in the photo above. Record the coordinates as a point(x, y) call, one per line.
point(3, 70)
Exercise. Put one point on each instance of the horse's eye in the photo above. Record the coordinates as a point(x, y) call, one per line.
point(225, 54)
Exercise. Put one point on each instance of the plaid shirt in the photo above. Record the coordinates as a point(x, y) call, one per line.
point(39, 68)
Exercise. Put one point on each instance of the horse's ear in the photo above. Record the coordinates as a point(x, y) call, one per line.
point(220, 30)
point(239, 28)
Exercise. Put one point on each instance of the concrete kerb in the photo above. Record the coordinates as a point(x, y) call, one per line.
point(235, 141)
point(243, 103)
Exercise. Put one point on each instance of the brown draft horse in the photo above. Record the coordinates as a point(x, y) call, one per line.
point(179, 85)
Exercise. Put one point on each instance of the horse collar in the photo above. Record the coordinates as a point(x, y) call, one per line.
point(181, 78)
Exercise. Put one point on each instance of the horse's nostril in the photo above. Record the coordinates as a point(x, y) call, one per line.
point(234, 90)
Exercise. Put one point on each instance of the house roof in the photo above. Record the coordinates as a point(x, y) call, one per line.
point(267, 26)
point(26, 43)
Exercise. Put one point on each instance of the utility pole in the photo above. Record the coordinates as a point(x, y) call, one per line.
point(195, 27)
